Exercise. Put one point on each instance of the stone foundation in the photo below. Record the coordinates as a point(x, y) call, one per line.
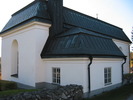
point(69, 92)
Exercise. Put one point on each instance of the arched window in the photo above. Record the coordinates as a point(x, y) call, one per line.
point(15, 59)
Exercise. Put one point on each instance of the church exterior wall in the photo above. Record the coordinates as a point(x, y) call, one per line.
point(97, 72)
point(75, 71)
point(27, 37)
point(125, 48)
point(33, 69)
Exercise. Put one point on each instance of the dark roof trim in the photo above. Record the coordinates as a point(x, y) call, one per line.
point(79, 56)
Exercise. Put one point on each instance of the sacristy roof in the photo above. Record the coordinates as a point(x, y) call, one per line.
point(80, 43)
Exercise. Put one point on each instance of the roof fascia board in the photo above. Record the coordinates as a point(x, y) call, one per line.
point(83, 59)
point(108, 59)
point(65, 59)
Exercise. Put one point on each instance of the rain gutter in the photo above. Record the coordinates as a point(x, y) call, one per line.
point(122, 69)
point(89, 74)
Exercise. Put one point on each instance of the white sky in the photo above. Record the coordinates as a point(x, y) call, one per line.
point(116, 12)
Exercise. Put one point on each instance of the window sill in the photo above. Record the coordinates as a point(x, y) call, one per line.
point(14, 75)
point(56, 83)
point(106, 84)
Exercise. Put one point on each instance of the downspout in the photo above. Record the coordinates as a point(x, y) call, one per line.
point(122, 69)
point(89, 74)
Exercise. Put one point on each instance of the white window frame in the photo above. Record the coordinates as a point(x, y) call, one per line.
point(107, 76)
point(56, 75)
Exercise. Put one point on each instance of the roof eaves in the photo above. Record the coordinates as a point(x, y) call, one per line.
point(72, 56)
point(26, 22)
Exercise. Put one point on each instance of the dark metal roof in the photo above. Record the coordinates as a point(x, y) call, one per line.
point(76, 30)
point(83, 34)
point(36, 11)
point(77, 19)
point(80, 44)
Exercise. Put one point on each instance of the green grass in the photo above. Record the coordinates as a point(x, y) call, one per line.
point(118, 94)
point(13, 92)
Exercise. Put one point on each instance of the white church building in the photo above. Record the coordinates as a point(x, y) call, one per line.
point(44, 44)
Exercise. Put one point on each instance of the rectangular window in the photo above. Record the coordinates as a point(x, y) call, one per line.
point(107, 76)
point(56, 75)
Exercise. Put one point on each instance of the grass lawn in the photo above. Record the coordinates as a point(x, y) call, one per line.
point(12, 92)
point(118, 94)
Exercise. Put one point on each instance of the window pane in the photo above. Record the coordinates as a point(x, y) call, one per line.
point(109, 80)
point(105, 80)
point(58, 70)
point(109, 70)
point(109, 75)
point(58, 75)
point(105, 75)
point(105, 70)
point(58, 81)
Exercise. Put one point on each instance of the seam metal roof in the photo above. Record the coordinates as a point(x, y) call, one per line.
point(80, 44)
point(82, 35)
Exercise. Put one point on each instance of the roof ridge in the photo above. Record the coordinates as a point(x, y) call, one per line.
point(85, 15)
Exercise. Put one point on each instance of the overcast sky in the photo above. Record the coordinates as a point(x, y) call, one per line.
point(116, 12)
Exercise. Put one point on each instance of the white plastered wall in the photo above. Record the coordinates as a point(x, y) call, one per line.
point(75, 71)
point(31, 39)
point(125, 48)
point(97, 72)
